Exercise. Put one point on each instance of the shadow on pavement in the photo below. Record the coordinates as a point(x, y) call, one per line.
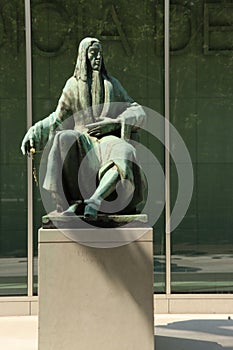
point(169, 343)
point(223, 328)
point(197, 334)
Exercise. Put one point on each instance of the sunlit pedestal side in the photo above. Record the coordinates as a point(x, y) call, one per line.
point(96, 298)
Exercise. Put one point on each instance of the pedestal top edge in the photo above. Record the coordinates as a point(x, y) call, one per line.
point(109, 235)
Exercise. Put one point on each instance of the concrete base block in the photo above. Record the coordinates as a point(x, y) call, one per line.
point(92, 298)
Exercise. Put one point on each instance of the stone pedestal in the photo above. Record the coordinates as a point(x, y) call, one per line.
point(95, 298)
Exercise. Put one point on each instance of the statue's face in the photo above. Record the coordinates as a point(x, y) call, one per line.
point(94, 55)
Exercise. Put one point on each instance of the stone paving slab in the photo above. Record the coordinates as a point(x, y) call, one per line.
point(181, 332)
point(18, 333)
point(194, 332)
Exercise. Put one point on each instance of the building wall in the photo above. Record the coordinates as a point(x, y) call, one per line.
point(200, 72)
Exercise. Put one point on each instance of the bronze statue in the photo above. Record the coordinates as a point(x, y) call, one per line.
point(103, 118)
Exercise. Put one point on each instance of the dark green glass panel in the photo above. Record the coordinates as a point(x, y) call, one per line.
point(201, 110)
point(13, 169)
point(132, 54)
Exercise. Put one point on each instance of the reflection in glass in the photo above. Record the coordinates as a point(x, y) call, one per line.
point(13, 170)
point(130, 53)
point(201, 110)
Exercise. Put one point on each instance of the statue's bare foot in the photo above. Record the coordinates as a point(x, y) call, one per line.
point(91, 208)
point(90, 212)
point(72, 209)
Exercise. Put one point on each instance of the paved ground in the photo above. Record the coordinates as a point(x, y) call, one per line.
point(194, 332)
point(18, 333)
point(179, 332)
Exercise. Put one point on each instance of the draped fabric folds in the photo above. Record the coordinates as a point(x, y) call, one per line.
point(89, 97)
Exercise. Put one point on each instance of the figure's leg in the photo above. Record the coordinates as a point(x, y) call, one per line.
point(70, 164)
point(53, 177)
point(106, 186)
point(61, 180)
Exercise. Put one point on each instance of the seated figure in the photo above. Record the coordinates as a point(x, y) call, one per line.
point(96, 148)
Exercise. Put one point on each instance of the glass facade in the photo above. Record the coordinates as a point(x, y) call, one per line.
point(201, 110)
point(13, 168)
point(129, 53)
point(200, 54)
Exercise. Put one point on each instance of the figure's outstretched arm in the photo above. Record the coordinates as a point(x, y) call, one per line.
point(38, 135)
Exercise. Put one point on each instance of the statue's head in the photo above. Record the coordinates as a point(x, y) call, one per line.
point(89, 57)
point(94, 55)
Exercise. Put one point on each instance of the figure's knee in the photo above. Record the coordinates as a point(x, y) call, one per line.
point(65, 135)
point(65, 138)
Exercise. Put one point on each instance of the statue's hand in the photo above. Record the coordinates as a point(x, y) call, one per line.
point(106, 126)
point(28, 142)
